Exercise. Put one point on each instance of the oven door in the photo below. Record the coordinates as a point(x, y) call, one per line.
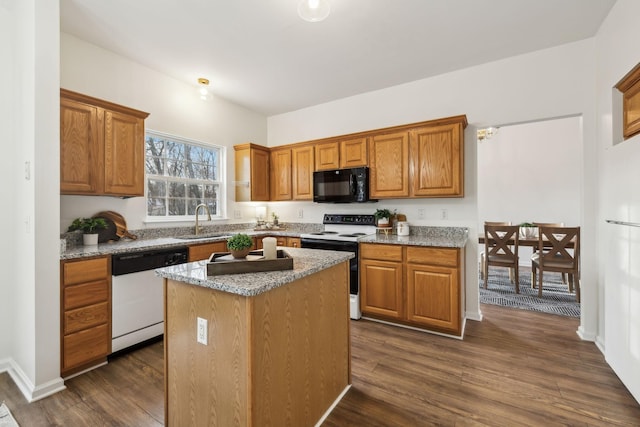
point(336, 245)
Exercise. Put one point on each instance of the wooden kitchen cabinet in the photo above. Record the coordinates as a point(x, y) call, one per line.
point(389, 163)
point(252, 172)
point(85, 313)
point(203, 251)
point(381, 290)
point(302, 164)
point(101, 147)
point(437, 161)
point(412, 285)
point(421, 160)
point(350, 153)
point(293, 242)
point(281, 174)
point(433, 290)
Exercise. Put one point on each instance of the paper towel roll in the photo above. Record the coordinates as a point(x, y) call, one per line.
point(269, 248)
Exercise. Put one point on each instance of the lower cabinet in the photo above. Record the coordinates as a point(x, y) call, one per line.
point(86, 313)
point(204, 250)
point(413, 285)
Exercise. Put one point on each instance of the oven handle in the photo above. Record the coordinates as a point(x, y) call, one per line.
point(327, 242)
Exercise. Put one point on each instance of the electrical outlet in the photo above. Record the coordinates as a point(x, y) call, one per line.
point(421, 213)
point(300, 213)
point(202, 331)
point(444, 214)
point(237, 214)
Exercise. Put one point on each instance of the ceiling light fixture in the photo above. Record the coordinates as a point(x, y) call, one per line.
point(203, 88)
point(314, 10)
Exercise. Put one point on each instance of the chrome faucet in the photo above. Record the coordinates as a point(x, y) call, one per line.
point(206, 208)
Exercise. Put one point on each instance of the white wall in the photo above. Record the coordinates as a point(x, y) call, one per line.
point(7, 160)
point(30, 344)
point(550, 83)
point(619, 253)
point(530, 172)
point(175, 108)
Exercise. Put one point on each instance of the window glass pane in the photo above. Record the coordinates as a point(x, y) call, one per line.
point(176, 207)
point(177, 189)
point(156, 207)
point(195, 191)
point(210, 191)
point(156, 188)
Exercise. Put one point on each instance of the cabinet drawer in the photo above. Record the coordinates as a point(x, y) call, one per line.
point(86, 317)
point(447, 257)
point(85, 271)
point(86, 294)
point(85, 346)
point(204, 251)
point(381, 252)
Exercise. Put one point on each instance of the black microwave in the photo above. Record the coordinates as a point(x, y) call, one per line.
point(341, 186)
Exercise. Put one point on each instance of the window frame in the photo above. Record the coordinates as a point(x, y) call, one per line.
point(221, 182)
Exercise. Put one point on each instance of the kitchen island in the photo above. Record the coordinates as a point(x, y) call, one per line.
point(277, 343)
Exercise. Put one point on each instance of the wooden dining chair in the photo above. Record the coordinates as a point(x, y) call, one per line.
point(535, 249)
point(501, 250)
point(482, 254)
point(555, 254)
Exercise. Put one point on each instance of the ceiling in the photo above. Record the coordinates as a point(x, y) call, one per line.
point(261, 55)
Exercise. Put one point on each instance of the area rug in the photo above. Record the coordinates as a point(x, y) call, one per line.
point(556, 298)
point(6, 419)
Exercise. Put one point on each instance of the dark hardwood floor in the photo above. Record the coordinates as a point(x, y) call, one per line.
point(514, 368)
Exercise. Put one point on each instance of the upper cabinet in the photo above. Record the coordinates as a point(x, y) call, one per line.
point(349, 153)
point(101, 147)
point(389, 163)
point(302, 172)
point(281, 174)
point(252, 172)
point(423, 160)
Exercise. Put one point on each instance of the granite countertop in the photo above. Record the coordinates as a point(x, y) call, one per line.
point(444, 237)
point(127, 245)
point(305, 263)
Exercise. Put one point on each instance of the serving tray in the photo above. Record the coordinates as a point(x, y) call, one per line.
point(224, 263)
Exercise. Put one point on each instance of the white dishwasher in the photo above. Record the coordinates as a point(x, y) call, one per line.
point(137, 295)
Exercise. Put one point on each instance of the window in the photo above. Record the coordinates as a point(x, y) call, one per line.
point(180, 175)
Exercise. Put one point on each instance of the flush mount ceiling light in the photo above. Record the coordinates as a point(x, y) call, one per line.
point(203, 88)
point(314, 10)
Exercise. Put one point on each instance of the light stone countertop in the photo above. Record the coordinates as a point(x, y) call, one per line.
point(305, 263)
point(444, 237)
point(128, 246)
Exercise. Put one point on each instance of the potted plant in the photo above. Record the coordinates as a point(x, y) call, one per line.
point(240, 245)
point(89, 227)
point(383, 217)
point(528, 230)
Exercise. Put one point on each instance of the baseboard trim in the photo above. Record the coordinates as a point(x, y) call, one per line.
point(26, 387)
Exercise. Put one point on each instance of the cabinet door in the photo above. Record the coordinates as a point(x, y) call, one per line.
point(437, 163)
point(433, 297)
point(80, 151)
point(389, 163)
point(204, 251)
point(353, 153)
point(302, 173)
point(123, 154)
point(259, 175)
point(327, 156)
point(381, 288)
point(281, 174)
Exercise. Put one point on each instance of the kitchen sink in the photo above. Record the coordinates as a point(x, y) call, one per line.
point(204, 236)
